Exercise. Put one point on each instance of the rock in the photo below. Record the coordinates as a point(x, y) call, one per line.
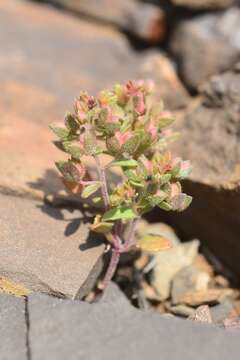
point(209, 43)
point(61, 329)
point(146, 21)
point(182, 310)
point(169, 87)
point(203, 4)
point(221, 312)
point(202, 314)
point(39, 78)
point(168, 263)
point(13, 329)
point(189, 279)
point(209, 133)
point(202, 264)
point(46, 249)
point(209, 296)
point(232, 323)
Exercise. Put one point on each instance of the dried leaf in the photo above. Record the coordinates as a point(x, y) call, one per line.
point(10, 287)
point(90, 189)
point(153, 243)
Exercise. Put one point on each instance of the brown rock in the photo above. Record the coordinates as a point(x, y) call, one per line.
point(48, 250)
point(209, 296)
point(144, 20)
point(169, 88)
point(206, 45)
point(201, 264)
point(203, 4)
point(210, 139)
point(188, 280)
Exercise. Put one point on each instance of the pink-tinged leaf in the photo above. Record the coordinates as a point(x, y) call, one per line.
point(181, 202)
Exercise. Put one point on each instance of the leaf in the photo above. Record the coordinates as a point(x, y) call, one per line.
point(153, 243)
point(75, 151)
point(157, 199)
point(181, 202)
point(10, 287)
point(136, 183)
point(131, 145)
point(165, 178)
point(102, 227)
point(165, 122)
point(125, 163)
point(90, 189)
point(164, 205)
point(69, 171)
point(71, 122)
point(61, 132)
point(113, 146)
point(118, 213)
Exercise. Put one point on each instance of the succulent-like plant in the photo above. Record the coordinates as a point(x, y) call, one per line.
point(128, 125)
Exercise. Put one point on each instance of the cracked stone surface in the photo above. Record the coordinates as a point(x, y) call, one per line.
point(47, 249)
point(13, 329)
point(114, 329)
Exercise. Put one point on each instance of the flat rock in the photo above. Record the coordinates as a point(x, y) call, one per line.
point(210, 139)
point(13, 328)
point(61, 329)
point(208, 296)
point(46, 249)
point(44, 63)
point(221, 312)
point(168, 263)
point(209, 43)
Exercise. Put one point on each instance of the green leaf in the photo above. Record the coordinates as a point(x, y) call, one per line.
point(165, 122)
point(61, 132)
point(165, 206)
point(155, 200)
point(136, 183)
point(75, 151)
point(165, 178)
point(90, 189)
point(68, 170)
point(113, 146)
point(131, 145)
point(71, 122)
point(90, 143)
point(102, 227)
point(119, 213)
point(125, 163)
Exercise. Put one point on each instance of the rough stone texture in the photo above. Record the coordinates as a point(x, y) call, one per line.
point(206, 45)
point(188, 279)
point(144, 20)
point(204, 4)
point(169, 88)
point(114, 329)
point(210, 139)
point(46, 249)
point(13, 329)
point(44, 63)
point(170, 262)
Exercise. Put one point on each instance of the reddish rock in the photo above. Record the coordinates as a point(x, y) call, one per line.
point(146, 21)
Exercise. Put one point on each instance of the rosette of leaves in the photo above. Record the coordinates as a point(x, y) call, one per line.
point(128, 125)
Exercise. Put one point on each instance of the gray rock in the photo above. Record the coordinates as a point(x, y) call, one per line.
point(46, 249)
point(169, 262)
point(209, 43)
point(13, 328)
point(221, 312)
point(210, 139)
point(61, 329)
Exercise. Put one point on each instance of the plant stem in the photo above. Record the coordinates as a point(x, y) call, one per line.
point(130, 237)
point(115, 256)
point(102, 178)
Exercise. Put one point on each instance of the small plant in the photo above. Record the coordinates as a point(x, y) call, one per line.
point(128, 125)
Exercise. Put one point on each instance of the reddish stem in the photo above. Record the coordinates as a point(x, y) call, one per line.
point(115, 256)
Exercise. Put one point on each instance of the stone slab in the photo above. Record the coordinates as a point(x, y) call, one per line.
point(113, 329)
point(13, 329)
point(46, 249)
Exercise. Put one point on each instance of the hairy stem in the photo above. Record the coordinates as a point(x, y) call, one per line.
point(102, 178)
point(131, 235)
point(115, 256)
